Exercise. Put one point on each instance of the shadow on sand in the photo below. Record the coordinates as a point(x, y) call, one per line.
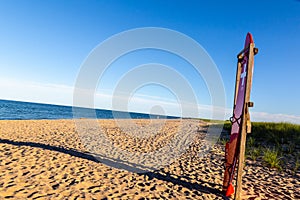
point(123, 166)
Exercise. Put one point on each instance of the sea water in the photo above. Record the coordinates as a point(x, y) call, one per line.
point(17, 110)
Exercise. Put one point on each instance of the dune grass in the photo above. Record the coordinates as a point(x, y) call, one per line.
point(271, 141)
point(272, 158)
point(254, 152)
point(274, 133)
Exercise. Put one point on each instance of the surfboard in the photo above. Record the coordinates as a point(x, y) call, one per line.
point(232, 147)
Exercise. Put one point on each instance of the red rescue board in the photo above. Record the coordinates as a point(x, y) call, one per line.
point(232, 147)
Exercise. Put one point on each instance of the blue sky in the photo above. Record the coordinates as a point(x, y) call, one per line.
point(44, 43)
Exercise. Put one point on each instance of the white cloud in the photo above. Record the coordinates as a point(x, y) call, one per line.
point(267, 117)
point(35, 92)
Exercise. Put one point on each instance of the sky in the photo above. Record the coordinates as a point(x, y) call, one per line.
point(44, 44)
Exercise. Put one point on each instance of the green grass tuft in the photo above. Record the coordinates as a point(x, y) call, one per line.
point(271, 158)
point(223, 141)
point(297, 164)
point(250, 142)
point(253, 153)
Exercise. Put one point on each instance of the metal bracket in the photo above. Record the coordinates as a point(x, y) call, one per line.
point(250, 104)
point(255, 51)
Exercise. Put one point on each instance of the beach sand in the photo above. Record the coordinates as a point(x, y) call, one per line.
point(46, 159)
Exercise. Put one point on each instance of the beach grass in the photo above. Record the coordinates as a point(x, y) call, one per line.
point(273, 133)
point(272, 158)
point(272, 142)
point(253, 153)
point(276, 133)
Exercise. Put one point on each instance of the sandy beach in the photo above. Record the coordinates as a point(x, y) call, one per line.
point(46, 159)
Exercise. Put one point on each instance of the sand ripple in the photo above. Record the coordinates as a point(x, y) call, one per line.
point(45, 159)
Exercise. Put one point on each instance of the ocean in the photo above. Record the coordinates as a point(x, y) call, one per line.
point(17, 110)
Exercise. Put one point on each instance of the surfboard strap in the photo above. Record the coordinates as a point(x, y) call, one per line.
point(233, 119)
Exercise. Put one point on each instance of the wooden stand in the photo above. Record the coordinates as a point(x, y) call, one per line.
point(246, 124)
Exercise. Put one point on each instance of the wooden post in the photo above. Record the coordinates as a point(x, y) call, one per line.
point(235, 148)
point(245, 119)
